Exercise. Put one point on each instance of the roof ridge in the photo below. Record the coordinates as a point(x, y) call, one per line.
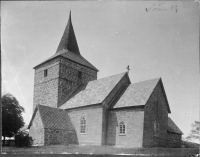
point(108, 76)
point(158, 78)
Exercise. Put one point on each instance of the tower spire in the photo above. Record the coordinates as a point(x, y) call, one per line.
point(68, 41)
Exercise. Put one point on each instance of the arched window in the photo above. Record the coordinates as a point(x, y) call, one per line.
point(83, 125)
point(156, 128)
point(122, 128)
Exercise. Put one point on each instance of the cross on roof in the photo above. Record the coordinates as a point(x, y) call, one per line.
point(128, 68)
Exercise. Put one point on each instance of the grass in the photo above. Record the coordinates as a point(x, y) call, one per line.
point(75, 149)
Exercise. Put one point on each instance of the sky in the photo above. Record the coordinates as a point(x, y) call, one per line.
point(156, 39)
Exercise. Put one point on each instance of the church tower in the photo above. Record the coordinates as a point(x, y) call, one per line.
point(57, 77)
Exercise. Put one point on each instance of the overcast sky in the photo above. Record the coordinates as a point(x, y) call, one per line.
point(156, 39)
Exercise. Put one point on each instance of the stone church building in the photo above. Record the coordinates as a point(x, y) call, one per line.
point(72, 106)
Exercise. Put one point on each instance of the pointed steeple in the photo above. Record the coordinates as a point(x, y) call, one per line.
point(68, 41)
point(68, 48)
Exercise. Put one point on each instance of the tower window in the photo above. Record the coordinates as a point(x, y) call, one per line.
point(122, 128)
point(80, 75)
point(45, 73)
point(83, 125)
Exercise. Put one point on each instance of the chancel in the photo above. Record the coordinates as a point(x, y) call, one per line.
point(72, 106)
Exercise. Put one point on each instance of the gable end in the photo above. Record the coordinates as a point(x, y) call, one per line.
point(33, 116)
point(165, 96)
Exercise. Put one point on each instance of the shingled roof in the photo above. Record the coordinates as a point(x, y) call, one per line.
point(68, 48)
point(93, 93)
point(137, 94)
point(53, 118)
point(172, 127)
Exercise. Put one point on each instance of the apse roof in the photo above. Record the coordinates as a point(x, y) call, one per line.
point(172, 127)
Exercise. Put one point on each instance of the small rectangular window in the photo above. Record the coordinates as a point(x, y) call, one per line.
point(80, 75)
point(45, 73)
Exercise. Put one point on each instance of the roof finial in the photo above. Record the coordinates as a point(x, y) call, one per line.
point(128, 69)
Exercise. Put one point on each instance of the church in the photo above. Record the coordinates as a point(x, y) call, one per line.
point(72, 106)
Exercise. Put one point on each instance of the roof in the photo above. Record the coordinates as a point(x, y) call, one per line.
point(68, 48)
point(71, 56)
point(93, 92)
point(68, 40)
point(137, 94)
point(172, 127)
point(54, 118)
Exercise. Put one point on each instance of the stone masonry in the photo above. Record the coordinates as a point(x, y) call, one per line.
point(46, 88)
point(59, 137)
point(174, 140)
point(69, 79)
point(61, 79)
point(149, 139)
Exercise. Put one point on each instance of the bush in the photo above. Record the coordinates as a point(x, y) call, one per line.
point(22, 139)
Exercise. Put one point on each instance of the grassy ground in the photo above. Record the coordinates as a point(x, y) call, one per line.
point(75, 149)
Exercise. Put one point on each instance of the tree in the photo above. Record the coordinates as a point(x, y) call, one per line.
point(12, 119)
point(194, 132)
point(22, 139)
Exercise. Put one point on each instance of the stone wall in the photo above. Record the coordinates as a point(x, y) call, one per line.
point(46, 88)
point(68, 78)
point(36, 130)
point(46, 93)
point(133, 119)
point(47, 65)
point(174, 140)
point(61, 79)
point(65, 87)
point(93, 117)
point(149, 138)
point(79, 67)
point(59, 137)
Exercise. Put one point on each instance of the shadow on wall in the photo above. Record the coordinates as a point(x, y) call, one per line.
point(61, 136)
point(113, 123)
point(112, 128)
point(70, 137)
